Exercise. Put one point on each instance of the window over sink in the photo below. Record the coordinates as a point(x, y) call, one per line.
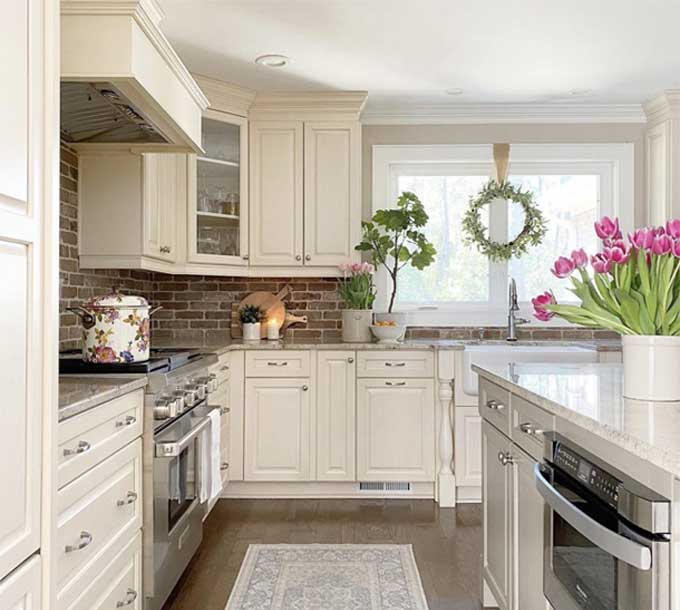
point(574, 185)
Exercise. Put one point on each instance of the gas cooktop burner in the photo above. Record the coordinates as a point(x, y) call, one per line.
point(161, 360)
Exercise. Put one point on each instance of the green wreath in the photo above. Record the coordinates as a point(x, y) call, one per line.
point(535, 225)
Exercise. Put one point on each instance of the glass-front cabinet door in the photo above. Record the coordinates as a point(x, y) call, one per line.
point(218, 192)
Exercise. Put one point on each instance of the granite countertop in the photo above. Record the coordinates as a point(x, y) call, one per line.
point(591, 397)
point(79, 394)
point(604, 345)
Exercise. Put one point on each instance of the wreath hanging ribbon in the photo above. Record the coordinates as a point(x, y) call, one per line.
point(535, 225)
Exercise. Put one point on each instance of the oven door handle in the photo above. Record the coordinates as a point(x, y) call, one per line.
point(628, 551)
point(167, 450)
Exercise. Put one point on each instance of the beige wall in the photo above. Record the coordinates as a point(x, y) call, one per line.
point(519, 134)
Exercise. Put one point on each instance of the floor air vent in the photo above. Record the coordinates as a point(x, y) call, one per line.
point(384, 486)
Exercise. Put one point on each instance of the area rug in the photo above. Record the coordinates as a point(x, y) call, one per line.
point(328, 577)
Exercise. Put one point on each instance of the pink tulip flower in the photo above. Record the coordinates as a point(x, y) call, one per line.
point(642, 238)
point(662, 245)
point(539, 302)
point(601, 263)
point(673, 228)
point(563, 267)
point(675, 248)
point(580, 258)
point(608, 228)
point(617, 255)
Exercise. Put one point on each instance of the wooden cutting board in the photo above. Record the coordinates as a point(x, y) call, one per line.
point(273, 306)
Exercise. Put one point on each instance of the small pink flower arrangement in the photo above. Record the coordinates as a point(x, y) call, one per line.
point(634, 288)
point(357, 289)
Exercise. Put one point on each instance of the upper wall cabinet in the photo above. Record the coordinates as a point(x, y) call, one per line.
point(218, 193)
point(311, 222)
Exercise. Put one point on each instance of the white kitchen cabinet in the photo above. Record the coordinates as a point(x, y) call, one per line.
point(21, 589)
point(332, 195)
point(527, 538)
point(496, 518)
point(395, 430)
point(276, 187)
point(468, 453)
point(336, 416)
point(217, 187)
point(278, 429)
point(26, 206)
point(116, 191)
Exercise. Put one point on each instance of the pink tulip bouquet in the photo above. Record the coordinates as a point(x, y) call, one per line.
point(634, 288)
point(356, 289)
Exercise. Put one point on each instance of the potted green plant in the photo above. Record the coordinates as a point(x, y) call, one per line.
point(394, 239)
point(251, 317)
point(358, 293)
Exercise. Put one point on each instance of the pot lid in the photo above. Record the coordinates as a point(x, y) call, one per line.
point(117, 299)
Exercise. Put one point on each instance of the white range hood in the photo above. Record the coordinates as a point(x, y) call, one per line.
point(122, 84)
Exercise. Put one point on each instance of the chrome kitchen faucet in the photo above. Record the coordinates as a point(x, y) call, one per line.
point(513, 307)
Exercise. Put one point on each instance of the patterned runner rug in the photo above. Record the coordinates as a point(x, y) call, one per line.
point(328, 577)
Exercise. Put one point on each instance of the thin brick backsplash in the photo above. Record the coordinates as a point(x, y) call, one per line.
point(201, 310)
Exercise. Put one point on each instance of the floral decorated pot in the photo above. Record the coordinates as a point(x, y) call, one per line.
point(116, 328)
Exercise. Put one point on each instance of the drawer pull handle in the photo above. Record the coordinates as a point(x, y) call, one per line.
point(494, 405)
point(130, 497)
point(395, 364)
point(284, 363)
point(505, 458)
point(395, 383)
point(224, 368)
point(224, 466)
point(128, 421)
point(130, 598)
point(82, 447)
point(85, 540)
point(225, 411)
point(530, 429)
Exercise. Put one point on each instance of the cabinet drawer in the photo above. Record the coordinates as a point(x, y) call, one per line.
point(89, 438)
point(289, 363)
point(222, 369)
point(494, 405)
point(528, 423)
point(103, 504)
point(113, 580)
point(395, 364)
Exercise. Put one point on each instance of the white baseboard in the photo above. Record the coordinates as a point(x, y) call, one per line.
point(319, 490)
point(468, 494)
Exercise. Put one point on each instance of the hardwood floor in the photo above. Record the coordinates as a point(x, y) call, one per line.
point(446, 542)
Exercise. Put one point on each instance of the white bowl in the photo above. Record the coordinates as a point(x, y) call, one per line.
point(388, 334)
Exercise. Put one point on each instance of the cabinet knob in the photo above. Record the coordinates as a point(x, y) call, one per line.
point(350, 360)
point(308, 257)
point(298, 257)
point(130, 598)
point(305, 388)
point(505, 458)
point(494, 405)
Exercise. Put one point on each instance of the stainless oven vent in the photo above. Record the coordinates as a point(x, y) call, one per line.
point(384, 486)
point(100, 113)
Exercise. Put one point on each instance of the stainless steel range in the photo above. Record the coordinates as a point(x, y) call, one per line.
point(176, 414)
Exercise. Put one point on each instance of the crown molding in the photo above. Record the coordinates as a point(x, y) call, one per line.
point(309, 105)
point(663, 107)
point(226, 97)
point(475, 114)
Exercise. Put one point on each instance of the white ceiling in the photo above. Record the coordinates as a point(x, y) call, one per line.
point(409, 52)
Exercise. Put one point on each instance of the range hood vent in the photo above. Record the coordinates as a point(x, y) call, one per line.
point(98, 112)
point(122, 84)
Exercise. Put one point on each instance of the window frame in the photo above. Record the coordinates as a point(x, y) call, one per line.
point(613, 163)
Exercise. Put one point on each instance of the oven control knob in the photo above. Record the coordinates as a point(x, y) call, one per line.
point(179, 399)
point(165, 408)
point(201, 391)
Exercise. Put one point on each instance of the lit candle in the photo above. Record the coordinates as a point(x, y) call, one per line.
point(273, 330)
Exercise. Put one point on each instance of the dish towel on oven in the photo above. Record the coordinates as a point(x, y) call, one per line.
point(211, 481)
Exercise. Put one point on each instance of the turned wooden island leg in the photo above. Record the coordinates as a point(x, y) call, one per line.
point(446, 480)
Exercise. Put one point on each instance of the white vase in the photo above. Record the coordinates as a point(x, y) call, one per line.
point(400, 317)
point(651, 367)
point(251, 332)
point(356, 325)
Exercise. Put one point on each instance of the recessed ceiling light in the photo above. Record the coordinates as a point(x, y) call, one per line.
point(580, 92)
point(273, 60)
point(454, 91)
